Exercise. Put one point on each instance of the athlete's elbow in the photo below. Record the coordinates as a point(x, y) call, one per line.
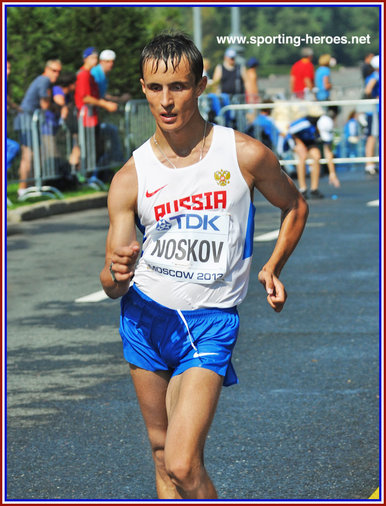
point(302, 208)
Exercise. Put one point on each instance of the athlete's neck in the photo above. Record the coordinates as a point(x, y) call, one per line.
point(184, 141)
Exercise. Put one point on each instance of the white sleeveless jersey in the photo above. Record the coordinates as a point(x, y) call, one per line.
point(198, 224)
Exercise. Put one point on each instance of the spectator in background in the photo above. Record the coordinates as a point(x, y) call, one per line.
point(352, 133)
point(372, 130)
point(251, 81)
point(264, 128)
point(13, 147)
point(87, 94)
point(366, 68)
point(63, 97)
point(325, 130)
point(303, 132)
point(62, 93)
point(230, 76)
point(323, 82)
point(108, 130)
point(228, 81)
point(38, 96)
point(87, 91)
point(302, 75)
point(100, 74)
point(100, 71)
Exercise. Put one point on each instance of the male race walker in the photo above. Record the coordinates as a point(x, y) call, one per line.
point(190, 190)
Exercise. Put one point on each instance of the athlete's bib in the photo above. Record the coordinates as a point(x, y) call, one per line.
point(190, 246)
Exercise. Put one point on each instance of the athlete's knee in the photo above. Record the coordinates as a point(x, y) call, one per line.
point(157, 444)
point(184, 473)
point(159, 457)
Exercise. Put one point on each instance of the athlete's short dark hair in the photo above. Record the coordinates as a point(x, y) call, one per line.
point(173, 47)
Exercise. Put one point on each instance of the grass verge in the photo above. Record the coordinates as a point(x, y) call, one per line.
point(78, 191)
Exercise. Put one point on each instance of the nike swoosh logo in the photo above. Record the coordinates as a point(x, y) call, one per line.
point(148, 194)
point(196, 354)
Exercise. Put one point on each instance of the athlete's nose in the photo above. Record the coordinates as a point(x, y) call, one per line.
point(166, 98)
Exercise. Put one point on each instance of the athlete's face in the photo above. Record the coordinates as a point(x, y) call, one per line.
point(172, 94)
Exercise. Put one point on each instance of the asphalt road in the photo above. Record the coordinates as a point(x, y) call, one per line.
point(302, 424)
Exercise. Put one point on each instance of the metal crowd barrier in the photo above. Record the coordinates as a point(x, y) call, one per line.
point(66, 152)
point(347, 155)
point(139, 124)
point(39, 143)
point(87, 152)
point(101, 145)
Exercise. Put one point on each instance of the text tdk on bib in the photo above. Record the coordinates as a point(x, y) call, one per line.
point(190, 246)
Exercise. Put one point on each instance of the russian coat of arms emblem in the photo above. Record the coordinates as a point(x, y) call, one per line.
point(222, 177)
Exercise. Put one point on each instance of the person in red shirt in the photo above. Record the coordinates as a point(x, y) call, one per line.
point(302, 74)
point(87, 94)
point(87, 91)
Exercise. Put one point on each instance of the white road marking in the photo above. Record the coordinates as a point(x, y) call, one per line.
point(373, 203)
point(272, 236)
point(93, 297)
point(269, 236)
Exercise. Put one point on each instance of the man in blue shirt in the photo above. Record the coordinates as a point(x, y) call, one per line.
point(38, 96)
point(100, 71)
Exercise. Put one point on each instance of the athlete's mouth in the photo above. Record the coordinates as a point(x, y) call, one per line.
point(168, 114)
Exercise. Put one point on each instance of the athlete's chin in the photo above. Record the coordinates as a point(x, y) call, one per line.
point(172, 125)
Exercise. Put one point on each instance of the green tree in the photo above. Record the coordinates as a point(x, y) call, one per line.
point(35, 34)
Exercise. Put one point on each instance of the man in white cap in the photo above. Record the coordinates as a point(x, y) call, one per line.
point(109, 130)
point(100, 71)
point(230, 75)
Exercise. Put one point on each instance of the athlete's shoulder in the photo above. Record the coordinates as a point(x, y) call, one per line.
point(254, 158)
point(248, 147)
point(124, 186)
point(125, 173)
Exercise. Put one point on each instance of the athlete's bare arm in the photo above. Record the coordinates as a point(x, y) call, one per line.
point(122, 248)
point(262, 170)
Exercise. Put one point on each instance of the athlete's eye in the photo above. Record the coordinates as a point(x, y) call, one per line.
point(155, 87)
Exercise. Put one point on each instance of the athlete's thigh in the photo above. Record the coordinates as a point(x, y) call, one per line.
point(191, 404)
point(151, 388)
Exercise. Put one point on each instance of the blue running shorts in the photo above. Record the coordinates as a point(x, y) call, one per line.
point(157, 338)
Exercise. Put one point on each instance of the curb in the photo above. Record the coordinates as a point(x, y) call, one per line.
point(52, 207)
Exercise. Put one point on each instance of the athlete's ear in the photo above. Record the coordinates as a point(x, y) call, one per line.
point(200, 88)
point(142, 85)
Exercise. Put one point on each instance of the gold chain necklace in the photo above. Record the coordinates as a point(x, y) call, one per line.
point(171, 163)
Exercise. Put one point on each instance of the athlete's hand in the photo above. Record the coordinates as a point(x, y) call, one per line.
point(123, 261)
point(276, 294)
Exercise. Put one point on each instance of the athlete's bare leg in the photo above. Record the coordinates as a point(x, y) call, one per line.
point(151, 390)
point(177, 434)
point(191, 404)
